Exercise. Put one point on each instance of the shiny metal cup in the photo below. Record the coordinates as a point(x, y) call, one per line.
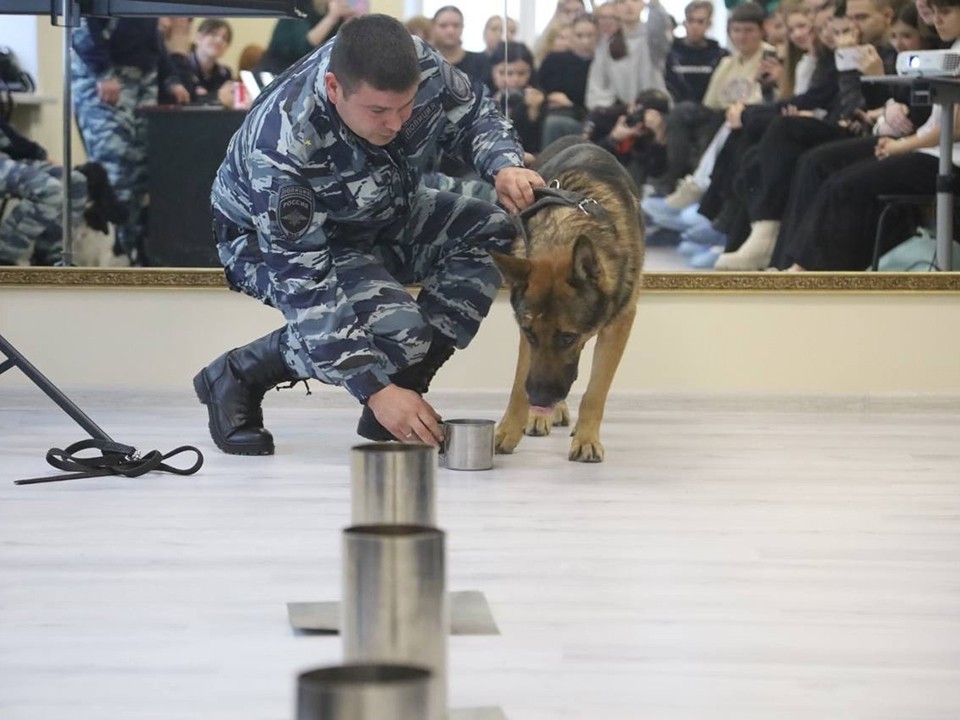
point(394, 484)
point(468, 444)
point(394, 607)
point(364, 692)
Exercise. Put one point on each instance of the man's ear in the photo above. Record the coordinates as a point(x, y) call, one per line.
point(333, 87)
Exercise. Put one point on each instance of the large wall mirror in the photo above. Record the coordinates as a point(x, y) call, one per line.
point(186, 145)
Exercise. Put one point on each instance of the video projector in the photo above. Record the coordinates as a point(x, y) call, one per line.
point(929, 63)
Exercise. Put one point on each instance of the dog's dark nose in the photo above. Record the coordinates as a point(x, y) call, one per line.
point(546, 394)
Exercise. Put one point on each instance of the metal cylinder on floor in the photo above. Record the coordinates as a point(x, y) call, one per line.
point(394, 484)
point(394, 607)
point(468, 444)
point(364, 692)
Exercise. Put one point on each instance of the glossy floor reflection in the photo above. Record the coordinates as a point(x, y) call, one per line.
point(729, 560)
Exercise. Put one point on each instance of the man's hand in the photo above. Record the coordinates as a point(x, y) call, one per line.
point(406, 415)
point(559, 100)
point(108, 90)
point(515, 187)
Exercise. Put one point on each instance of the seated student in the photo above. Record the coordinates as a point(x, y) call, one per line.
point(563, 79)
point(691, 126)
point(564, 14)
point(694, 57)
point(448, 39)
point(493, 33)
point(636, 134)
point(838, 229)
point(32, 231)
point(512, 74)
point(199, 70)
point(633, 59)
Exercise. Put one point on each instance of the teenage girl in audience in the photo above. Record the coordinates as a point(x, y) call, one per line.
point(448, 39)
point(512, 78)
point(563, 16)
point(563, 79)
point(199, 70)
point(493, 33)
point(633, 59)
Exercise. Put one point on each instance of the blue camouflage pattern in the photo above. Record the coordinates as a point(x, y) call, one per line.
point(357, 223)
point(32, 232)
point(116, 135)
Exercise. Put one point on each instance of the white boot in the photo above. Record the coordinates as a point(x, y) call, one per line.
point(756, 251)
point(687, 193)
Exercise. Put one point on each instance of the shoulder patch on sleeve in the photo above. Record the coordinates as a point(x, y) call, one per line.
point(457, 83)
point(295, 205)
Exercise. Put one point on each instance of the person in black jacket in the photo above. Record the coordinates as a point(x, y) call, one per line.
point(199, 70)
point(693, 58)
point(513, 77)
point(563, 79)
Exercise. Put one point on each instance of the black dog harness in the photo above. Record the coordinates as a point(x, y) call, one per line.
point(553, 194)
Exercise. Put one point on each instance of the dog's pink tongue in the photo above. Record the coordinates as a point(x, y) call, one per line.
point(540, 410)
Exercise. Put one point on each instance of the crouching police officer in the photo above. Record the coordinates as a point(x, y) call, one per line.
point(319, 212)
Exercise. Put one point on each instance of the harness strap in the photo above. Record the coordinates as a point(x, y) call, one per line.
point(555, 195)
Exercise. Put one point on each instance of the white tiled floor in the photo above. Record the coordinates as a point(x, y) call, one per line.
point(772, 561)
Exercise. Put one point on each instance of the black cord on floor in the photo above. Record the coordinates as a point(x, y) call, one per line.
point(114, 459)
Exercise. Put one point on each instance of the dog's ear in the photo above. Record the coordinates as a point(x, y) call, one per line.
point(515, 270)
point(586, 268)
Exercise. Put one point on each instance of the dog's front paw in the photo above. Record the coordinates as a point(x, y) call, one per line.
point(561, 414)
point(506, 439)
point(586, 449)
point(538, 424)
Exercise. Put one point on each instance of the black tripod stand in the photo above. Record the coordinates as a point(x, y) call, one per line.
point(117, 458)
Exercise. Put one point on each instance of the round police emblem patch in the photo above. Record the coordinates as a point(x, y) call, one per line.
point(458, 84)
point(295, 210)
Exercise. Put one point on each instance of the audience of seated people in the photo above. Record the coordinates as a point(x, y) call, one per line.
point(753, 156)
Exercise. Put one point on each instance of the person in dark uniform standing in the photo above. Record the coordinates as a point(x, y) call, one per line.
point(319, 212)
point(114, 70)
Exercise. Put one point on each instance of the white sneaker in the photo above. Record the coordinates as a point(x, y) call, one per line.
point(756, 251)
point(687, 193)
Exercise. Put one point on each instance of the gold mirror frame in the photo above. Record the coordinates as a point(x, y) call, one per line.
point(173, 278)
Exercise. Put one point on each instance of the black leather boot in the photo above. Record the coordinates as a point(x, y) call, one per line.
point(416, 377)
point(232, 387)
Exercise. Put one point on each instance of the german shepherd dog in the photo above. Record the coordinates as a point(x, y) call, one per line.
point(574, 273)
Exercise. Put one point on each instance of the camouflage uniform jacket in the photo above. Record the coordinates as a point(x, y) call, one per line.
point(303, 182)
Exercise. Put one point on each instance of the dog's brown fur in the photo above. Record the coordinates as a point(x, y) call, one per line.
point(580, 279)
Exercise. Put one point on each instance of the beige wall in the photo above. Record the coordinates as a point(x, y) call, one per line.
point(682, 343)
point(44, 124)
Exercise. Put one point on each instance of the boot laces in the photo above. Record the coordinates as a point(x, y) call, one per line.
point(293, 383)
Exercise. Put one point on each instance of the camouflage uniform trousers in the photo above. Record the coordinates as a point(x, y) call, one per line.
point(116, 137)
point(32, 231)
point(442, 244)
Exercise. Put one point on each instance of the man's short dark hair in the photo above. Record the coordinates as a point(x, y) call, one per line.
point(377, 50)
point(748, 12)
